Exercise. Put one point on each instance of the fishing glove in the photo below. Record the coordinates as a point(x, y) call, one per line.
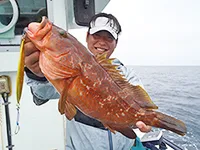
point(138, 145)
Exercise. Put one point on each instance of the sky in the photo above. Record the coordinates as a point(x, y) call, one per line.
point(156, 32)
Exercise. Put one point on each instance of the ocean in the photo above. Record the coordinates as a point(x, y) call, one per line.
point(176, 91)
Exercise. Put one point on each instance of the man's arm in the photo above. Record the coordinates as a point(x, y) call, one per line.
point(41, 89)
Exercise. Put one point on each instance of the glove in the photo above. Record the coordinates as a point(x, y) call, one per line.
point(139, 145)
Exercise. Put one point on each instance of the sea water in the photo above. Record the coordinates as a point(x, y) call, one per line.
point(176, 91)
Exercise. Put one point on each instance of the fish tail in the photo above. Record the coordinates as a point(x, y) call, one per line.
point(161, 120)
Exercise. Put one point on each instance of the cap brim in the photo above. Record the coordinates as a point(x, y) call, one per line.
point(106, 28)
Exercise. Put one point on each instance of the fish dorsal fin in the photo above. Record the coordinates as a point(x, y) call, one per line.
point(107, 64)
point(140, 96)
point(134, 93)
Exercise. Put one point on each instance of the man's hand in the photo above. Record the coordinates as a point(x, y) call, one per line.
point(143, 127)
point(32, 58)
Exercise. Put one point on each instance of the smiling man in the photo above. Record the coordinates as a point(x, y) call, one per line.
point(83, 132)
point(103, 34)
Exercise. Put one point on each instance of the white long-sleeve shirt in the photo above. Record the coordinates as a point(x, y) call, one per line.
point(80, 136)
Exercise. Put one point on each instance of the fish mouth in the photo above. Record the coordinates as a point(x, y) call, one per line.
point(34, 27)
point(39, 29)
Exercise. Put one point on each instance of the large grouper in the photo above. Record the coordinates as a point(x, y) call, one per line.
point(91, 83)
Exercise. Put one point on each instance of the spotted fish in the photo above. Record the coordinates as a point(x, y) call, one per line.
point(93, 84)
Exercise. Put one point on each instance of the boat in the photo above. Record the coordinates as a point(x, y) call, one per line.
point(24, 127)
point(155, 140)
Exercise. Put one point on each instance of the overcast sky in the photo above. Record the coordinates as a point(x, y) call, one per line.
point(156, 32)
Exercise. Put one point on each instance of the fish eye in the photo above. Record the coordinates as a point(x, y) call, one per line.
point(63, 33)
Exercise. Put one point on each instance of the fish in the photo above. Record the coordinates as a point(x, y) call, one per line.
point(93, 85)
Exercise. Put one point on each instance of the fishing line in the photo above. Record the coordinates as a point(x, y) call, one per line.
point(17, 128)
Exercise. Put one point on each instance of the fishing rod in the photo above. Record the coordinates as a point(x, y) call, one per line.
point(5, 91)
point(172, 145)
point(1, 130)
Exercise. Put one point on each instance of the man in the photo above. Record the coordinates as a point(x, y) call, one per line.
point(83, 132)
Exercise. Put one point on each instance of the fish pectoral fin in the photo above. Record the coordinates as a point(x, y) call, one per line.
point(66, 107)
point(62, 100)
point(70, 110)
point(63, 96)
point(61, 106)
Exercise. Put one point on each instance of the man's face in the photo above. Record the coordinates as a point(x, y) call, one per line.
point(101, 42)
